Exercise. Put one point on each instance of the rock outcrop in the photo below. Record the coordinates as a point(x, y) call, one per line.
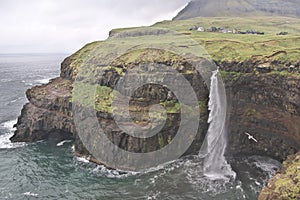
point(48, 113)
point(286, 183)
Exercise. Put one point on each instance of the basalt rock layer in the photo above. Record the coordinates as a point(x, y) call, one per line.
point(265, 103)
point(49, 113)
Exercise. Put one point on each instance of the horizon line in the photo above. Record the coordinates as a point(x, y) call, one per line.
point(35, 53)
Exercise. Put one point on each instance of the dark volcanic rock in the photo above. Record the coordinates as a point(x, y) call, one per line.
point(264, 104)
point(48, 113)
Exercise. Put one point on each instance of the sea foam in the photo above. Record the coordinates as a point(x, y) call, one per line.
point(8, 129)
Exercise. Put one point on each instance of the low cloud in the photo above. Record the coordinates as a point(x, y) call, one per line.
point(64, 26)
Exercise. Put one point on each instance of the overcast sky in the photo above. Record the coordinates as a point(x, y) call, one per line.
point(64, 26)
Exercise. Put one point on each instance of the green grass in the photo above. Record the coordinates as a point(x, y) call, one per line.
point(288, 185)
point(81, 56)
point(98, 97)
point(230, 76)
point(218, 46)
point(238, 47)
point(119, 54)
point(242, 47)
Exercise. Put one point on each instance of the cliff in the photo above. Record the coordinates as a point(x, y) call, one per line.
point(49, 113)
point(261, 75)
point(264, 101)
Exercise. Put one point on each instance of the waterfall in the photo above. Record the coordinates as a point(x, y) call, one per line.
point(213, 148)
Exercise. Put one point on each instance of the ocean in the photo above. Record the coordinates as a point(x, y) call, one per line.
point(46, 170)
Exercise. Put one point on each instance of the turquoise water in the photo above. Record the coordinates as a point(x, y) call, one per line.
point(44, 170)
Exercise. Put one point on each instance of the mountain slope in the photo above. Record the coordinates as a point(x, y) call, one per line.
point(218, 8)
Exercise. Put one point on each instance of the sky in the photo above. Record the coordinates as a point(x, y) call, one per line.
point(64, 26)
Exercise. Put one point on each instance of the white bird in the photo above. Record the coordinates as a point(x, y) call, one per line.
point(63, 142)
point(250, 137)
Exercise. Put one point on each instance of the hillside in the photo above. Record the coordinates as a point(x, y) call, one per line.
point(238, 47)
point(222, 8)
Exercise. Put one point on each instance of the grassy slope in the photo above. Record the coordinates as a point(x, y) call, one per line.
point(242, 47)
point(220, 46)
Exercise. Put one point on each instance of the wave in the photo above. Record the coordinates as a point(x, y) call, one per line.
point(113, 173)
point(27, 83)
point(30, 194)
point(5, 80)
point(267, 165)
point(9, 129)
point(102, 170)
point(82, 159)
point(9, 125)
point(63, 142)
point(43, 81)
point(119, 174)
point(5, 142)
point(36, 82)
point(14, 101)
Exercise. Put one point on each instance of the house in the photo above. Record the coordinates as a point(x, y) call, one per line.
point(194, 28)
point(283, 33)
point(201, 29)
point(226, 30)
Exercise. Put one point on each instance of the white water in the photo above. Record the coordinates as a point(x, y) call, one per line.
point(5, 142)
point(63, 142)
point(213, 149)
point(43, 81)
point(30, 194)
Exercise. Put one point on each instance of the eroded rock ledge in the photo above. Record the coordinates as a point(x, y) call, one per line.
point(48, 113)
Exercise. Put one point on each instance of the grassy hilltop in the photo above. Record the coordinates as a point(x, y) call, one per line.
point(237, 47)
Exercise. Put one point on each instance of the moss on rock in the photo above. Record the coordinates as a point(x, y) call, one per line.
point(286, 184)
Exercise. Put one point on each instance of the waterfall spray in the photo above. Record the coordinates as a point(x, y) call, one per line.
point(213, 148)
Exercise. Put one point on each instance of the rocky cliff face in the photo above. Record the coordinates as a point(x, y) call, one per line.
point(264, 99)
point(265, 102)
point(48, 113)
point(263, 95)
